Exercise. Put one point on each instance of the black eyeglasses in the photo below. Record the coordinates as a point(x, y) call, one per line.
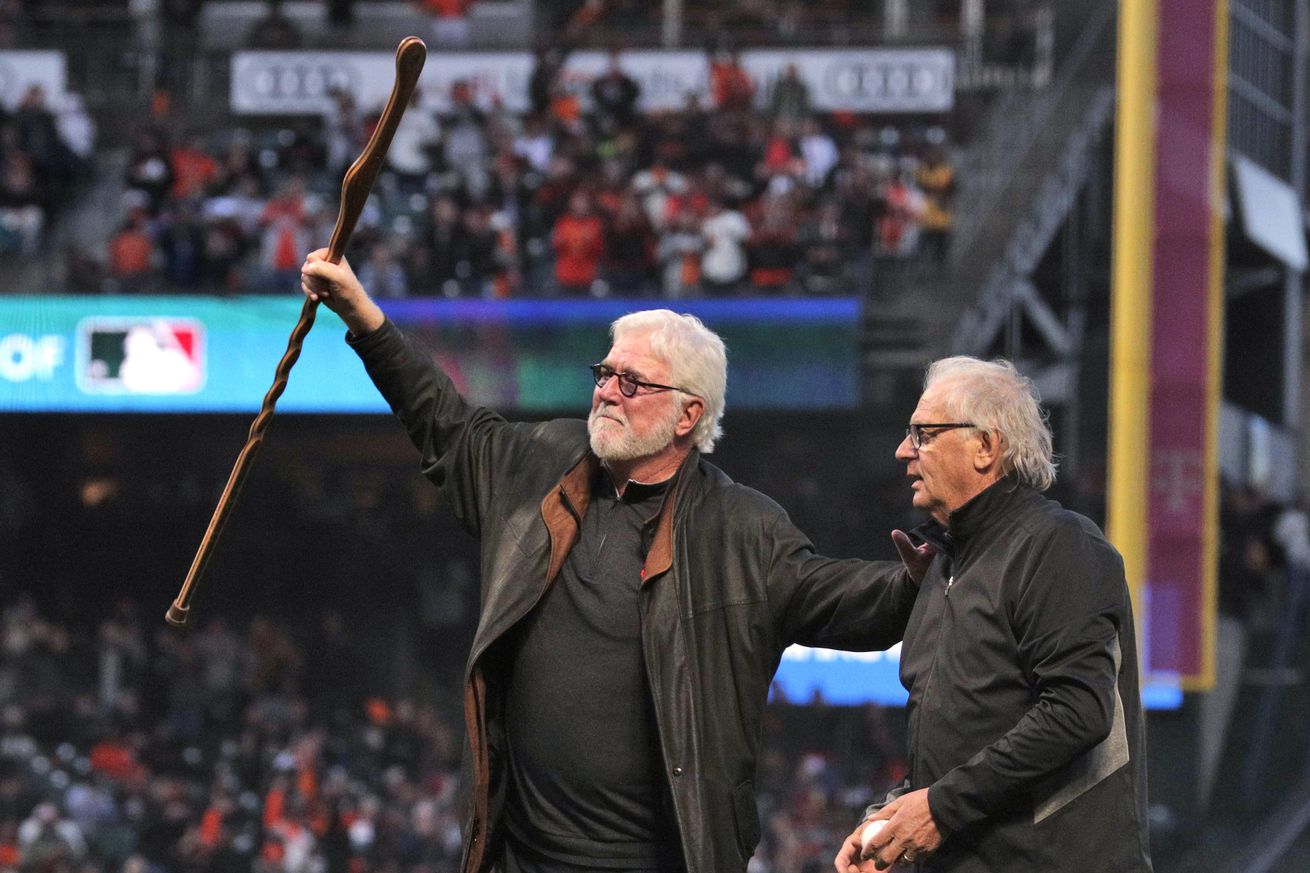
point(915, 431)
point(628, 383)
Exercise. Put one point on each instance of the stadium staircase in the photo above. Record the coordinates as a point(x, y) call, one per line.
point(1018, 179)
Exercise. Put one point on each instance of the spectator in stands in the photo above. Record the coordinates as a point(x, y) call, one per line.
point(548, 64)
point(181, 242)
point(731, 87)
point(935, 177)
point(614, 94)
point(861, 208)
point(681, 246)
point(628, 264)
point(660, 189)
point(36, 129)
point(22, 204)
point(343, 132)
point(48, 841)
point(790, 98)
point(464, 142)
point(284, 224)
point(819, 152)
point(898, 223)
point(460, 253)
point(131, 253)
point(194, 168)
point(830, 250)
point(781, 153)
point(535, 144)
point(409, 157)
point(488, 253)
point(149, 169)
point(772, 249)
point(442, 262)
point(565, 114)
point(723, 264)
point(578, 240)
point(227, 242)
point(77, 133)
point(384, 271)
point(239, 172)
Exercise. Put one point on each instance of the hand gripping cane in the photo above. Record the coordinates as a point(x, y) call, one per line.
point(410, 55)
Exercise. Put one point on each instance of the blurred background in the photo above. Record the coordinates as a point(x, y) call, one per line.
point(845, 189)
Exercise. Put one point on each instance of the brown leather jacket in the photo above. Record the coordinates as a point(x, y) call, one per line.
point(728, 584)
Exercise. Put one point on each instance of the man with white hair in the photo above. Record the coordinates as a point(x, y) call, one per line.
point(1027, 743)
point(635, 602)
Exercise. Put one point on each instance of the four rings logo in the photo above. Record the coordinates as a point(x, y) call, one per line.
point(294, 80)
point(890, 82)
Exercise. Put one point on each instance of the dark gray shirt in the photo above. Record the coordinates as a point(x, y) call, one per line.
point(586, 786)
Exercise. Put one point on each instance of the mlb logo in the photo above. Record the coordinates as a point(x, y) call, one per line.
point(141, 355)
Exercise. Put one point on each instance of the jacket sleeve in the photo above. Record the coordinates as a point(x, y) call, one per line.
point(1065, 613)
point(462, 447)
point(834, 603)
point(898, 790)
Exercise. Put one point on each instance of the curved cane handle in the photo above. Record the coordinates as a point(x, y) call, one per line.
point(355, 187)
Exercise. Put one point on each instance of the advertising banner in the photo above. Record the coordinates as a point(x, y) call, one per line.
point(851, 80)
point(1167, 327)
point(205, 354)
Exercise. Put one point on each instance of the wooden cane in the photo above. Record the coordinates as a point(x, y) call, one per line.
point(355, 187)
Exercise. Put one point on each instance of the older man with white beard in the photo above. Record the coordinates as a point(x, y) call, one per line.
point(635, 602)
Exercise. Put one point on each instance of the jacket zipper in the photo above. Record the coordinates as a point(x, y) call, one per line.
point(929, 686)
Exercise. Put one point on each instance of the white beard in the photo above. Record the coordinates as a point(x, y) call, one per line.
point(612, 437)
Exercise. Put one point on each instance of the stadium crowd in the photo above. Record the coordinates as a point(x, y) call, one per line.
point(252, 747)
point(46, 156)
point(582, 195)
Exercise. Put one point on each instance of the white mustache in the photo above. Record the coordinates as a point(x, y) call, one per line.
point(610, 413)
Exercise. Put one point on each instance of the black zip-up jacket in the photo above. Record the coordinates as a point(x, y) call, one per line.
point(728, 584)
point(1025, 719)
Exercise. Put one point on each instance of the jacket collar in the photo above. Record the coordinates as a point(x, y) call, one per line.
point(986, 508)
point(659, 558)
point(565, 506)
point(974, 518)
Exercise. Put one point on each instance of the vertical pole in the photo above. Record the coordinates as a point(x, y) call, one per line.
point(1130, 298)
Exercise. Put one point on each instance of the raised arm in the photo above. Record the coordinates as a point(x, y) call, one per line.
point(335, 286)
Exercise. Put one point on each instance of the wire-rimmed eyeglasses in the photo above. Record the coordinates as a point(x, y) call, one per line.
point(916, 431)
point(628, 383)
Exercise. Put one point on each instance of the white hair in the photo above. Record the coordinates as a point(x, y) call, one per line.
point(697, 359)
point(996, 398)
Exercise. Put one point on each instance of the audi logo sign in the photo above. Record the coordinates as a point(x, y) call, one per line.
point(299, 81)
point(853, 80)
point(866, 80)
point(885, 83)
point(266, 82)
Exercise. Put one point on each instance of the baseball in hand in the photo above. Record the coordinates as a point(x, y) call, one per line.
point(870, 831)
